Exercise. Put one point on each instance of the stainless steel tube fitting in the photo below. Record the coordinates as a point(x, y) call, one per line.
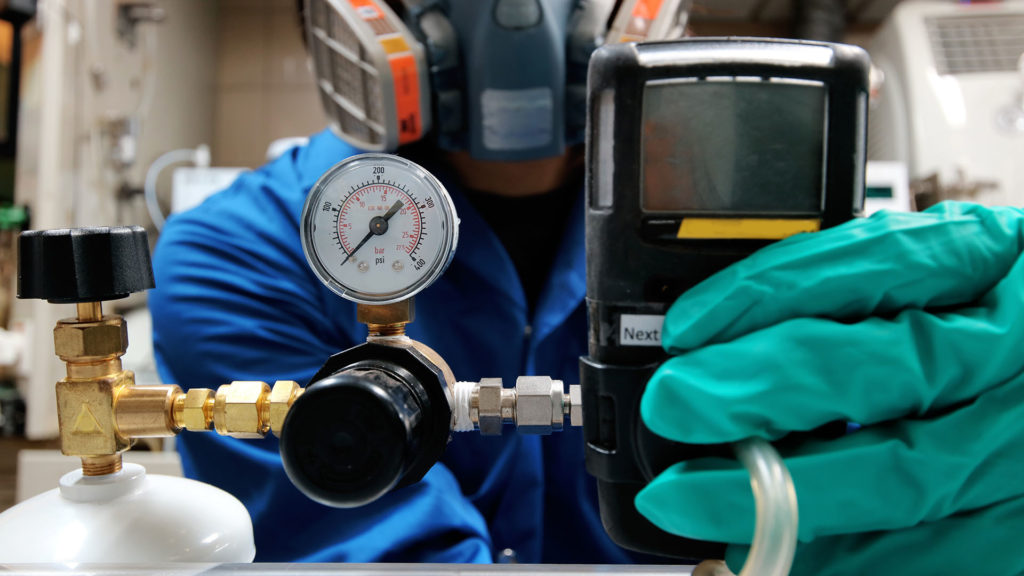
point(537, 405)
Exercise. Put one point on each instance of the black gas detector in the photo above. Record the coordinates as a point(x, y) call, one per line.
point(699, 152)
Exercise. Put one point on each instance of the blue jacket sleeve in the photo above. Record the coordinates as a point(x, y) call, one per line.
point(235, 300)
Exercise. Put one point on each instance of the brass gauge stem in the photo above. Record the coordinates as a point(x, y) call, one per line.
point(381, 330)
point(383, 320)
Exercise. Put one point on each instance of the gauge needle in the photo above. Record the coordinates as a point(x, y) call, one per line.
point(378, 226)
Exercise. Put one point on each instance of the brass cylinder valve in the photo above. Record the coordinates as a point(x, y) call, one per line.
point(100, 410)
point(86, 266)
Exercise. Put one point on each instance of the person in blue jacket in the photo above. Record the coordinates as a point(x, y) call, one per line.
point(237, 300)
point(821, 321)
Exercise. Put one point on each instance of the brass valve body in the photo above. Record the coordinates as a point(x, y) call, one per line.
point(92, 348)
point(85, 412)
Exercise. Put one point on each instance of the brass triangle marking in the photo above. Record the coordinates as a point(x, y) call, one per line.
point(86, 422)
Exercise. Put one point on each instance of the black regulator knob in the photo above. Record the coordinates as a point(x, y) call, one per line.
point(375, 418)
point(83, 264)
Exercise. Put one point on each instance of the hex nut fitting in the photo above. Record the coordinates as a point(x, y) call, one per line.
point(107, 337)
point(576, 405)
point(197, 414)
point(282, 395)
point(538, 404)
point(240, 409)
point(489, 403)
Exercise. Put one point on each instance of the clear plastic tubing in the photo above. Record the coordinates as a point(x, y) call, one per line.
point(775, 527)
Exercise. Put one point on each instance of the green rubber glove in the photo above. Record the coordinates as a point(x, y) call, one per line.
point(909, 324)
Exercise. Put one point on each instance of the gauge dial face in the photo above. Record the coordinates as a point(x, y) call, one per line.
point(377, 228)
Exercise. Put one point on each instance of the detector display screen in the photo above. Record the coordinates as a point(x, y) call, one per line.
point(736, 146)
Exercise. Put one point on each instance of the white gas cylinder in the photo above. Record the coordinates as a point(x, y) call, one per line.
point(124, 517)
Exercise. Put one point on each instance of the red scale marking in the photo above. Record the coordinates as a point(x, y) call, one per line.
point(418, 226)
point(360, 197)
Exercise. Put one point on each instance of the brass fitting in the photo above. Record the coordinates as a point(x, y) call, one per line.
point(194, 410)
point(76, 341)
point(386, 319)
point(242, 409)
point(282, 395)
point(146, 411)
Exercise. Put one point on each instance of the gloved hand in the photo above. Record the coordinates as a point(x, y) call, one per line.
point(909, 324)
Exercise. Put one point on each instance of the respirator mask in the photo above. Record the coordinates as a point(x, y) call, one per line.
point(504, 80)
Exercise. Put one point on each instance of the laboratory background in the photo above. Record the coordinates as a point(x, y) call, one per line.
point(130, 112)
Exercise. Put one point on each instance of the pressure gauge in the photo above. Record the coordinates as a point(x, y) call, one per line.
point(377, 228)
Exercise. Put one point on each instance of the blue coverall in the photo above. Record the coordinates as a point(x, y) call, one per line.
point(236, 300)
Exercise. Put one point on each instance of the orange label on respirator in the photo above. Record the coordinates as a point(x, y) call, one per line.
point(404, 73)
point(407, 97)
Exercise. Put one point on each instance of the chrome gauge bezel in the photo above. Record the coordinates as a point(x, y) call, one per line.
point(411, 174)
